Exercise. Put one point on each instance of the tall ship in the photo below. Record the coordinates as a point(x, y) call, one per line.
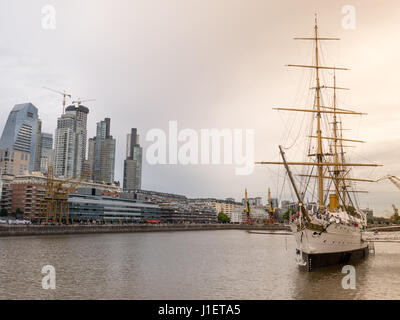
point(328, 232)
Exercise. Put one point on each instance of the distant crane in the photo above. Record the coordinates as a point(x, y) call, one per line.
point(271, 209)
point(78, 102)
point(247, 210)
point(64, 94)
point(395, 217)
point(55, 205)
point(393, 179)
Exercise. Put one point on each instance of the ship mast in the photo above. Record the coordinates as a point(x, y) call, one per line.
point(343, 174)
point(336, 171)
point(320, 154)
point(338, 164)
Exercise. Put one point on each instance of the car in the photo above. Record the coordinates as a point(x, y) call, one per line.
point(24, 222)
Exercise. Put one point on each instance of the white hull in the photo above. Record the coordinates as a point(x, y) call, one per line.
point(337, 238)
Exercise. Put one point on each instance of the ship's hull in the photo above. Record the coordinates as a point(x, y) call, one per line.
point(338, 244)
point(318, 260)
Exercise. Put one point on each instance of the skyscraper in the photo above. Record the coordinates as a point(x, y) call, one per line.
point(102, 153)
point(44, 152)
point(91, 150)
point(20, 130)
point(38, 146)
point(81, 114)
point(133, 162)
point(68, 146)
point(47, 154)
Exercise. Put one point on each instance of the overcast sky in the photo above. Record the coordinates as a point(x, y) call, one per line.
point(208, 64)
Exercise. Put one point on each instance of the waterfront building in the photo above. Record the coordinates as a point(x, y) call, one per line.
point(14, 162)
point(6, 192)
point(68, 146)
point(274, 203)
point(88, 207)
point(28, 190)
point(253, 201)
point(81, 114)
point(226, 207)
point(20, 131)
point(259, 214)
point(258, 201)
point(133, 162)
point(292, 205)
point(178, 208)
point(102, 153)
point(26, 196)
point(369, 213)
point(237, 215)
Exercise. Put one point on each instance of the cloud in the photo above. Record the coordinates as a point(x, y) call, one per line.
point(206, 64)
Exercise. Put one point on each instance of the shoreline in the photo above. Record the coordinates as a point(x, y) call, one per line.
point(22, 230)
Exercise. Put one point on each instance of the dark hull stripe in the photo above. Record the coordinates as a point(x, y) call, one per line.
point(328, 259)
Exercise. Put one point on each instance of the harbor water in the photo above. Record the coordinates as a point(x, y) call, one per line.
point(222, 264)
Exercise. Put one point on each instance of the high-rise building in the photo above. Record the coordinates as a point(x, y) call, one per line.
point(44, 152)
point(91, 150)
point(101, 156)
point(20, 130)
point(38, 146)
point(81, 114)
point(68, 146)
point(47, 153)
point(133, 162)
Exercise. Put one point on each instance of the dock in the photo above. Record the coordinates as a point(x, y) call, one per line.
point(35, 230)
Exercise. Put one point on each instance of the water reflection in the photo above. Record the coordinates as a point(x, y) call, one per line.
point(184, 265)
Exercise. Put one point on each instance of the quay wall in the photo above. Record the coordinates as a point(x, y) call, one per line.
point(384, 229)
point(33, 230)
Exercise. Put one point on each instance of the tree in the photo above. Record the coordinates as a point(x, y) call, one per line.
point(222, 217)
point(18, 213)
point(3, 212)
point(351, 210)
point(370, 221)
point(286, 215)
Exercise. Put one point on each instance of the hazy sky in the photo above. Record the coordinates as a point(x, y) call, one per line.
point(208, 64)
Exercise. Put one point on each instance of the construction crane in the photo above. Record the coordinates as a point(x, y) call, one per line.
point(271, 210)
point(247, 210)
point(393, 179)
point(78, 102)
point(55, 205)
point(395, 217)
point(64, 94)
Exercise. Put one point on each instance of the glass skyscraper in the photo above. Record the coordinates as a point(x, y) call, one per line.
point(20, 130)
point(133, 162)
point(102, 153)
